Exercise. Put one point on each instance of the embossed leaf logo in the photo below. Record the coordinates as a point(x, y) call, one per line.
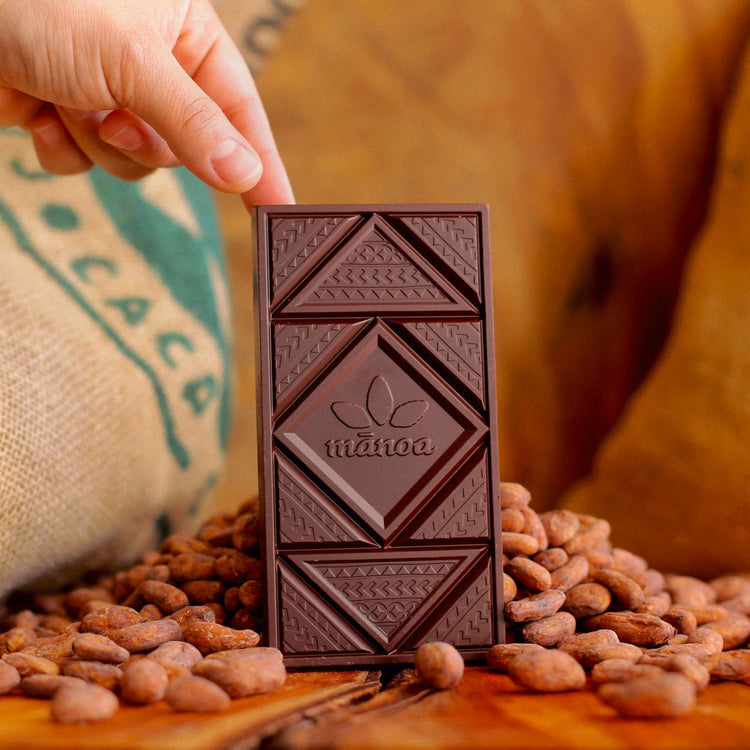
point(380, 409)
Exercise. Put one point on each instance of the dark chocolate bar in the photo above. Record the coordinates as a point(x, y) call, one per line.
point(377, 431)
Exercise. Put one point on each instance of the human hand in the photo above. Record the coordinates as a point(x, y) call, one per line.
point(133, 85)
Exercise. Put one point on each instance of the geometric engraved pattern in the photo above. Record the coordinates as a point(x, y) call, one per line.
point(468, 622)
point(387, 594)
point(294, 240)
point(305, 626)
point(358, 462)
point(463, 513)
point(375, 270)
point(307, 516)
point(376, 416)
point(299, 345)
point(455, 238)
point(459, 346)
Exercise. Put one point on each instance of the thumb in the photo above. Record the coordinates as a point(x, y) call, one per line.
point(194, 125)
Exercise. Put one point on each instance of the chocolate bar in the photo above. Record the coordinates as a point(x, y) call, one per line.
point(377, 431)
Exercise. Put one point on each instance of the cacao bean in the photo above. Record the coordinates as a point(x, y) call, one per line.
point(550, 630)
point(208, 636)
point(547, 671)
point(666, 695)
point(534, 607)
point(529, 574)
point(194, 693)
point(500, 655)
point(439, 665)
point(633, 627)
point(79, 704)
point(144, 681)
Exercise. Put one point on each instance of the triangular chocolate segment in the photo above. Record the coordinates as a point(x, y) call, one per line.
point(300, 347)
point(387, 594)
point(462, 513)
point(310, 626)
point(295, 239)
point(307, 516)
point(467, 622)
point(376, 271)
point(454, 239)
point(458, 347)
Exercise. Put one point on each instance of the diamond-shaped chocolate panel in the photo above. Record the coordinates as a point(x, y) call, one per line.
point(381, 430)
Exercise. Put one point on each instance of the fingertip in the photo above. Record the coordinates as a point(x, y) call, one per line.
point(17, 108)
point(274, 189)
point(235, 165)
point(55, 148)
point(48, 135)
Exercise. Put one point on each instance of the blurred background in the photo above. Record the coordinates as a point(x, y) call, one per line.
point(370, 101)
point(609, 139)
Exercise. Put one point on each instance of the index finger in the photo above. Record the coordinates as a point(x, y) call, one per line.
point(224, 76)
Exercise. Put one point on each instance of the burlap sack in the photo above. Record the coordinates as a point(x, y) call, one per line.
point(114, 362)
point(673, 477)
point(256, 25)
point(114, 352)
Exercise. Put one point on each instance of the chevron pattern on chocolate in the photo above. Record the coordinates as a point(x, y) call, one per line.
point(459, 346)
point(455, 238)
point(301, 517)
point(463, 514)
point(387, 594)
point(469, 621)
point(294, 239)
point(376, 270)
point(297, 346)
point(310, 626)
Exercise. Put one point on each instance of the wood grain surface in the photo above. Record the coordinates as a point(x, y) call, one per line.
point(488, 711)
point(25, 723)
point(341, 711)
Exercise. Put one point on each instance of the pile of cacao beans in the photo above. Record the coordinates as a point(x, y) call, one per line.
point(184, 624)
point(181, 626)
point(580, 611)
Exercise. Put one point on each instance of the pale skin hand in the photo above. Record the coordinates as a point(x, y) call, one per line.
point(133, 85)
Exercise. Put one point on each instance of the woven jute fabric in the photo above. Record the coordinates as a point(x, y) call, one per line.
point(256, 25)
point(114, 352)
point(114, 363)
point(673, 476)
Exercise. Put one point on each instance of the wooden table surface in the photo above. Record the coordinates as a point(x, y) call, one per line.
point(25, 723)
point(344, 710)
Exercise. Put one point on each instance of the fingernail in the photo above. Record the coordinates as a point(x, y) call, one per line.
point(50, 135)
point(126, 138)
point(78, 114)
point(234, 164)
